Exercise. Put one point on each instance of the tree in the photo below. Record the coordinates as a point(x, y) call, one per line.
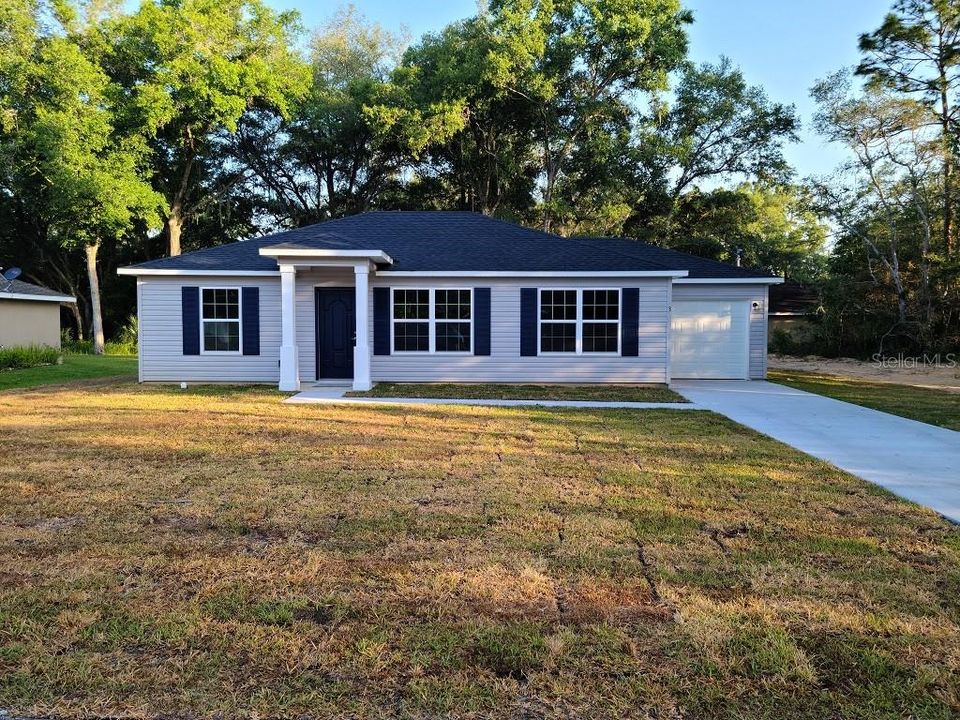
point(719, 127)
point(349, 139)
point(883, 196)
point(487, 165)
point(916, 52)
point(190, 71)
point(83, 178)
point(772, 227)
point(578, 62)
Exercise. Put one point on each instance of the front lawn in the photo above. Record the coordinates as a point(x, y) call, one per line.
point(216, 553)
point(617, 393)
point(937, 407)
point(75, 367)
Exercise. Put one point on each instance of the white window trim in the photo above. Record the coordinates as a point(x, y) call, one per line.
point(431, 321)
point(579, 323)
point(239, 321)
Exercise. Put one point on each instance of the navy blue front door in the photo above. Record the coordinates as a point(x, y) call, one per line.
point(336, 331)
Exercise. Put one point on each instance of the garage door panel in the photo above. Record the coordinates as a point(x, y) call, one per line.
point(709, 339)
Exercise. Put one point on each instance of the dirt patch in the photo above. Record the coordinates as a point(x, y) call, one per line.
point(940, 377)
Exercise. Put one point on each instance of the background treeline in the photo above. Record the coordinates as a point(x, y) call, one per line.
point(127, 135)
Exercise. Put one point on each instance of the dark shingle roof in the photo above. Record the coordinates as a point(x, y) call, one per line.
point(19, 287)
point(697, 267)
point(452, 241)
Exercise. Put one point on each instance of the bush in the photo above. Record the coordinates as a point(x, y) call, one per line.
point(117, 348)
point(781, 342)
point(123, 343)
point(28, 356)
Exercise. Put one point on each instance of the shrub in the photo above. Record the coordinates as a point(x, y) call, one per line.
point(781, 342)
point(28, 356)
point(123, 343)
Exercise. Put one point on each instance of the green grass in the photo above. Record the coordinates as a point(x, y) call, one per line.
point(621, 393)
point(937, 407)
point(74, 368)
point(27, 356)
point(194, 553)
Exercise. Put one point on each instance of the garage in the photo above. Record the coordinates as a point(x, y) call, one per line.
point(710, 339)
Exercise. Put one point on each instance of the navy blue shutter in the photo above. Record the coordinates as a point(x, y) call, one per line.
point(381, 321)
point(528, 322)
point(250, 305)
point(481, 321)
point(190, 308)
point(630, 322)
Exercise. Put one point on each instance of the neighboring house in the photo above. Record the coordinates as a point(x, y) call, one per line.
point(30, 314)
point(792, 305)
point(446, 296)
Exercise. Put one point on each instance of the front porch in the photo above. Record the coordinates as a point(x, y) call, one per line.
point(303, 273)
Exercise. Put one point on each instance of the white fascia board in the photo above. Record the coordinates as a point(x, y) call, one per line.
point(375, 255)
point(730, 281)
point(38, 298)
point(208, 273)
point(531, 273)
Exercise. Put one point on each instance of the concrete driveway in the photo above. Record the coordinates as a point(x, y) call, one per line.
point(916, 461)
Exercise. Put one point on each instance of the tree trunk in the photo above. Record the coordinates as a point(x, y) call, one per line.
point(174, 228)
point(948, 203)
point(77, 320)
point(548, 197)
point(96, 315)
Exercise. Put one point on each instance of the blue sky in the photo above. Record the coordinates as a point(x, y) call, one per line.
point(783, 45)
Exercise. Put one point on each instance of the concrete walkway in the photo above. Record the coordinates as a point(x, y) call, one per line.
point(335, 395)
point(916, 461)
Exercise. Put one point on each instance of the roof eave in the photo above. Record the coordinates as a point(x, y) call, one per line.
point(173, 272)
point(535, 273)
point(731, 281)
point(39, 298)
point(279, 251)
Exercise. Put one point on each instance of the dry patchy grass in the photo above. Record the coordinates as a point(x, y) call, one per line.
point(168, 553)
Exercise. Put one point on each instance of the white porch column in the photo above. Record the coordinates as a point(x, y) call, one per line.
point(361, 350)
point(289, 362)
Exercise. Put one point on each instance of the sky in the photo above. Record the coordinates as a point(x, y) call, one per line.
point(782, 45)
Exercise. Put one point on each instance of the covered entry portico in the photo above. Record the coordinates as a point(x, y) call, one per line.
point(358, 263)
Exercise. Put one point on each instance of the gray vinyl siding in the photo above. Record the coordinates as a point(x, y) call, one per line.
point(161, 340)
point(504, 364)
point(161, 334)
point(758, 315)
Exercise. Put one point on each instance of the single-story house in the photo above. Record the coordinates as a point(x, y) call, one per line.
point(446, 296)
point(792, 306)
point(30, 314)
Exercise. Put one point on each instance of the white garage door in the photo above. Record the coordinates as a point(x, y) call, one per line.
point(710, 339)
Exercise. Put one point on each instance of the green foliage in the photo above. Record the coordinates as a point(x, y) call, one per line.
point(130, 332)
point(893, 285)
point(774, 228)
point(189, 71)
point(356, 129)
point(28, 356)
point(583, 116)
point(578, 63)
